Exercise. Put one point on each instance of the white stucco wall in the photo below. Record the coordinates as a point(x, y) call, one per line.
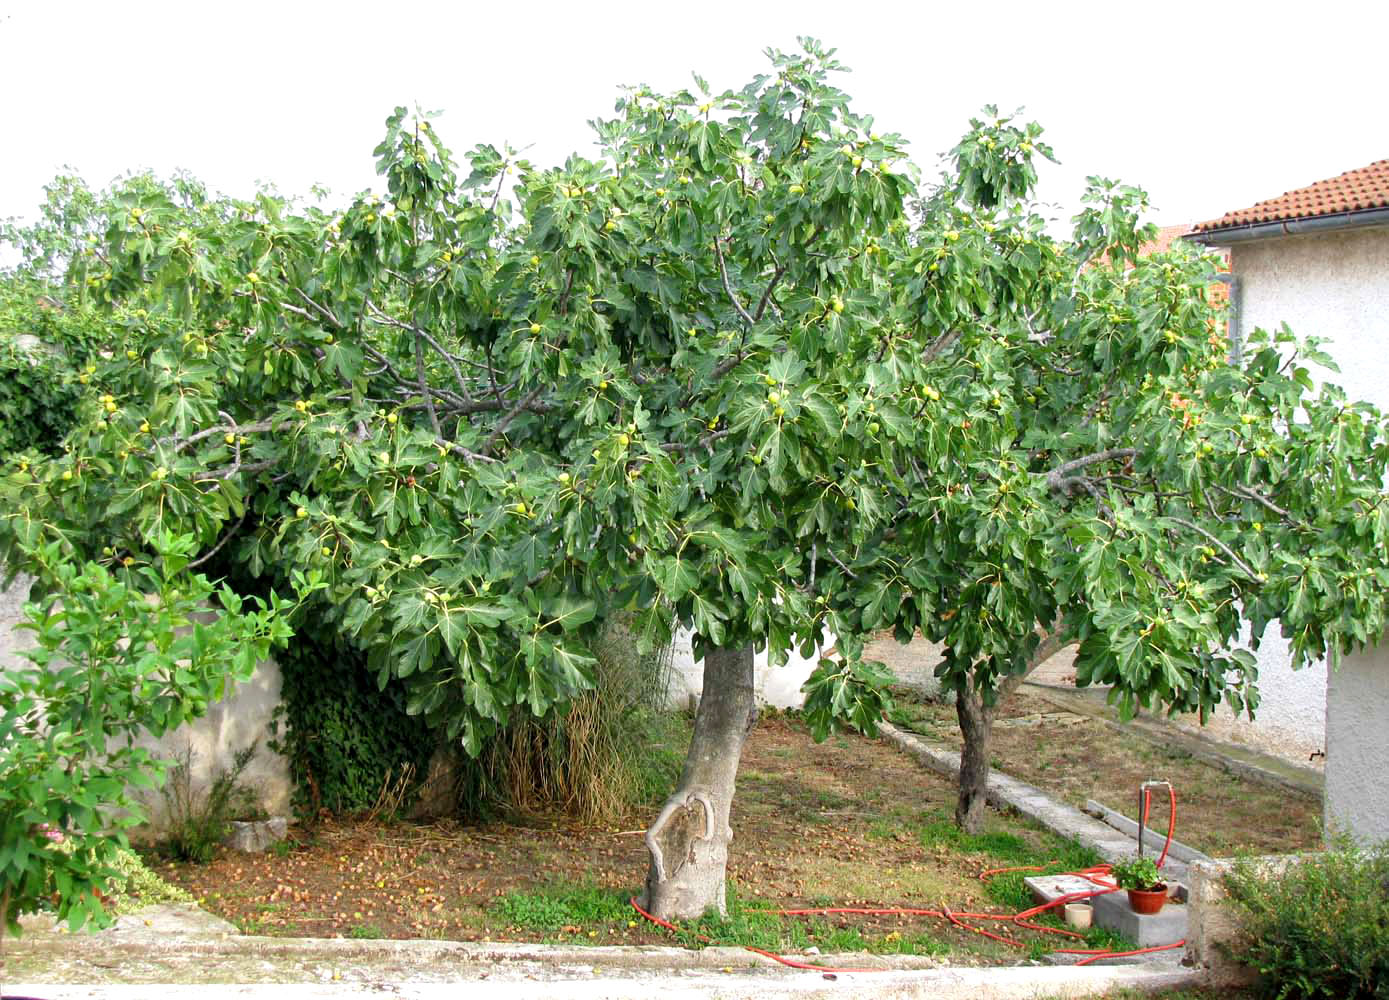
point(1334, 286)
point(778, 687)
point(1357, 736)
point(229, 725)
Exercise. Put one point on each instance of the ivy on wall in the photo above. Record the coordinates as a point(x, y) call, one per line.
point(343, 737)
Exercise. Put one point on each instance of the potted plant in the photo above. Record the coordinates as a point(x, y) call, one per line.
point(1147, 891)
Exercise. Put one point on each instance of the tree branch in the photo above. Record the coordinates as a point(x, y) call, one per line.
point(767, 294)
point(748, 321)
point(1058, 479)
point(218, 547)
point(940, 346)
point(230, 427)
point(510, 416)
point(424, 386)
point(1249, 570)
point(1257, 497)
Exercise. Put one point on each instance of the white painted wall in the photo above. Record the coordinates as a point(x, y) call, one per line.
point(1336, 286)
point(778, 687)
point(231, 724)
point(1357, 736)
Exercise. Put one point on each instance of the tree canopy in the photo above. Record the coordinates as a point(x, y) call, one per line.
point(748, 373)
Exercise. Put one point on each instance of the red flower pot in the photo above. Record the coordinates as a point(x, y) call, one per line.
point(1147, 901)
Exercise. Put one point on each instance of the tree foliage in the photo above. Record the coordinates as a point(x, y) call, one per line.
point(121, 657)
point(743, 373)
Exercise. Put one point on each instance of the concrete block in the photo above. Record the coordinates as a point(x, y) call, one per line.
point(1048, 888)
point(257, 835)
point(1167, 926)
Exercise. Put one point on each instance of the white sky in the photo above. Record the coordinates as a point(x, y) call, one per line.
point(1209, 106)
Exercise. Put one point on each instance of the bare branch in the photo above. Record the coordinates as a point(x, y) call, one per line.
point(510, 416)
point(458, 449)
point(1218, 543)
point(847, 571)
point(941, 345)
point(767, 295)
point(728, 287)
point(1059, 479)
point(728, 364)
point(328, 314)
point(423, 385)
point(1257, 497)
point(218, 547)
point(231, 427)
point(238, 467)
point(563, 305)
point(497, 194)
point(450, 360)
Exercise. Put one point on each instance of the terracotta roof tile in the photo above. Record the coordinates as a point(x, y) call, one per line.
point(1353, 191)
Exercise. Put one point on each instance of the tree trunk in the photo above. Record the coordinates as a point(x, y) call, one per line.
point(977, 729)
point(976, 726)
point(689, 840)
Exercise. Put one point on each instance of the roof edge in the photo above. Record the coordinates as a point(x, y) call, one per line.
point(1223, 236)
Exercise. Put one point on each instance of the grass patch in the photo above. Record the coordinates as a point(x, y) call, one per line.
point(758, 925)
point(553, 910)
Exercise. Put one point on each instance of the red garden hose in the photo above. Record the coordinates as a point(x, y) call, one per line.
point(1098, 876)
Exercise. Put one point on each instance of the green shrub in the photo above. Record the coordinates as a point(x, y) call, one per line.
point(134, 886)
point(1319, 927)
point(44, 348)
point(117, 655)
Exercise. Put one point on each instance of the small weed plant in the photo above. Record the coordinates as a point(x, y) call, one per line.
point(197, 821)
point(1319, 928)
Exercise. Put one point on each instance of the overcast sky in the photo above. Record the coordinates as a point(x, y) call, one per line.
point(1209, 106)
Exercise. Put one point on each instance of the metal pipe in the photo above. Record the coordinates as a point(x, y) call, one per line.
point(1234, 333)
point(1143, 797)
point(1265, 230)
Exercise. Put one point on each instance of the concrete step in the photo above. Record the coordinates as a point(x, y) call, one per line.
point(1112, 910)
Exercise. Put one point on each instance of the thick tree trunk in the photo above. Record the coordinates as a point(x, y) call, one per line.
point(689, 840)
point(976, 726)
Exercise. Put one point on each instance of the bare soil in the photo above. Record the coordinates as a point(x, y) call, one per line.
point(1076, 758)
point(846, 822)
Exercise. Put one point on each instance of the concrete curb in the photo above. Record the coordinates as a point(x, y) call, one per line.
point(1152, 834)
point(1016, 983)
point(211, 965)
point(1010, 793)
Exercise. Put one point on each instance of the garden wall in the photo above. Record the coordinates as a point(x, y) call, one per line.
point(231, 724)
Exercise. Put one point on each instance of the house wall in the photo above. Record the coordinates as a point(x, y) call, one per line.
point(233, 723)
point(1357, 765)
point(778, 687)
point(1334, 286)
